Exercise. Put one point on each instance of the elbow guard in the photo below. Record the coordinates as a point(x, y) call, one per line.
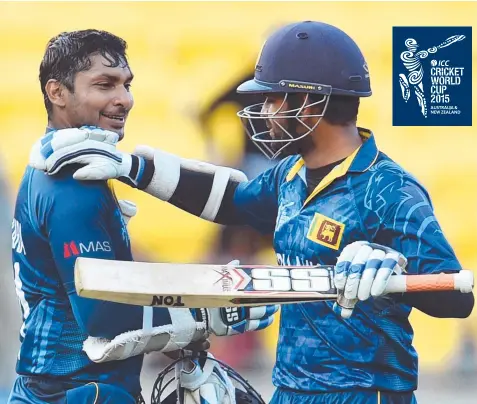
point(195, 186)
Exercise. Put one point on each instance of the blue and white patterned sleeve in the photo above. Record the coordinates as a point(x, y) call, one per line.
point(410, 226)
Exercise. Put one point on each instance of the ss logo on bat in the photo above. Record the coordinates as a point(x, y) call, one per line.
point(292, 279)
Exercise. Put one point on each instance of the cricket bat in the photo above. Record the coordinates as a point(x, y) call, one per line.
point(202, 285)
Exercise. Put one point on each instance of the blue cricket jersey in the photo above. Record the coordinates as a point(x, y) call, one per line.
point(58, 219)
point(366, 197)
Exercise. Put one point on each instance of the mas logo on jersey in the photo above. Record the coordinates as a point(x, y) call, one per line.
point(74, 249)
point(326, 231)
point(432, 76)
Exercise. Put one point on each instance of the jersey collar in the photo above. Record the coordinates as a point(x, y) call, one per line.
point(367, 153)
point(359, 161)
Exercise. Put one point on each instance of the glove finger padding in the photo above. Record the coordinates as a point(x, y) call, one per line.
point(355, 270)
point(393, 263)
point(97, 167)
point(73, 136)
point(372, 266)
point(261, 312)
point(237, 320)
point(344, 262)
point(85, 145)
point(257, 325)
point(363, 269)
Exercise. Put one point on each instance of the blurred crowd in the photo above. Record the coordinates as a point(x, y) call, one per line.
point(188, 59)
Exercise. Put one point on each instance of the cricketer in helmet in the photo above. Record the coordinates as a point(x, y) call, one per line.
point(312, 75)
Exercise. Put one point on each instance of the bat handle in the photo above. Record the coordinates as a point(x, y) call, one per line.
point(462, 281)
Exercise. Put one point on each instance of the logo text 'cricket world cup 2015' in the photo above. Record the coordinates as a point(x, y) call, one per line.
point(411, 60)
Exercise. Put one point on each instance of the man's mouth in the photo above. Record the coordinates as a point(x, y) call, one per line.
point(119, 118)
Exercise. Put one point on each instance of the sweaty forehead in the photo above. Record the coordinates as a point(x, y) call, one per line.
point(102, 66)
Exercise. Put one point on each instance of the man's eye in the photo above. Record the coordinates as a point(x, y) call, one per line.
point(128, 86)
point(103, 85)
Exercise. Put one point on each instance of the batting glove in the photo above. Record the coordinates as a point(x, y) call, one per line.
point(91, 147)
point(363, 270)
point(237, 320)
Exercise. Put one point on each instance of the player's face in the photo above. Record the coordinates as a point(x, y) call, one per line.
point(101, 96)
point(273, 105)
point(288, 128)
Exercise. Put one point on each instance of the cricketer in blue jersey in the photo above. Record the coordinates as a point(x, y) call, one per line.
point(333, 199)
point(73, 349)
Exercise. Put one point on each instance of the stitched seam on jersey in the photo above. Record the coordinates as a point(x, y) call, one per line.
point(44, 345)
point(35, 352)
point(60, 335)
point(33, 220)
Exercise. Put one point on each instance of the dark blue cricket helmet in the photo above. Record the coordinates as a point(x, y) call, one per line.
point(305, 57)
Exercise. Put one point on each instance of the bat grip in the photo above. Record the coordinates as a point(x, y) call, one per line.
point(462, 281)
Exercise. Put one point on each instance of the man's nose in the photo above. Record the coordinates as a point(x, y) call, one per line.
point(123, 98)
point(265, 108)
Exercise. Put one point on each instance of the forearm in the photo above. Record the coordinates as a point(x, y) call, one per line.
point(452, 304)
point(194, 194)
point(117, 333)
point(202, 189)
point(104, 319)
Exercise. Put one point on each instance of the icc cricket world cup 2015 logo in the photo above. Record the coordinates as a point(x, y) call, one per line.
point(412, 82)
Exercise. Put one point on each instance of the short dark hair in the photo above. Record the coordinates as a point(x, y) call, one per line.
point(69, 53)
point(342, 110)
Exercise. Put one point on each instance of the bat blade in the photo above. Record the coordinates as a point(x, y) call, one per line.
point(199, 285)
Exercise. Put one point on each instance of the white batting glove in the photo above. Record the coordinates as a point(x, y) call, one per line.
point(90, 146)
point(205, 382)
point(363, 269)
point(128, 210)
point(237, 320)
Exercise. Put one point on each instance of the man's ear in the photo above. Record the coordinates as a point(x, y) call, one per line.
point(56, 92)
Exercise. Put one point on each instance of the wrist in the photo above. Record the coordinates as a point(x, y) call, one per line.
point(136, 171)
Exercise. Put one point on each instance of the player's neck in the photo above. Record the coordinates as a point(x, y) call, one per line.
point(58, 123)
point(332, 143)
